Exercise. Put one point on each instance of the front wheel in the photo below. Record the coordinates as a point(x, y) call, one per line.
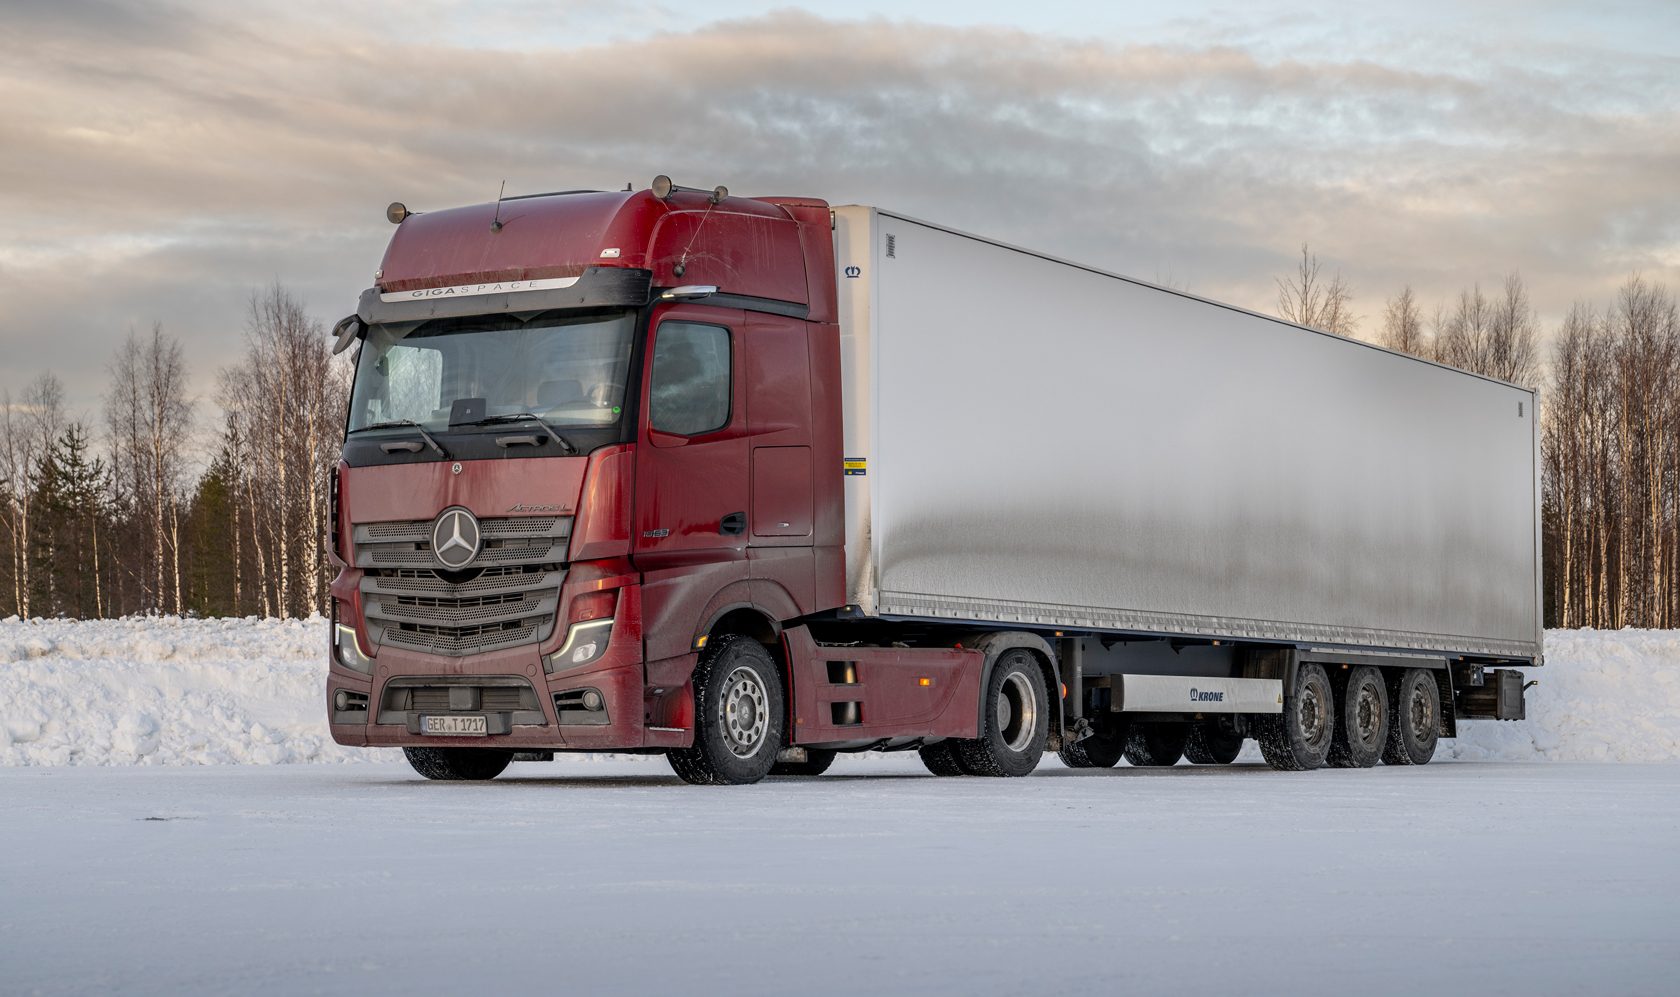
point(1015, 716)
point(738, 716)
point(458, 764)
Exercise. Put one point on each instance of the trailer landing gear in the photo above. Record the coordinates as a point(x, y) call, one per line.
point(1101, 750)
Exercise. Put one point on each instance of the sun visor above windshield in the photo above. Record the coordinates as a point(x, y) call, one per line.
point(596, 287)
point(552, 243)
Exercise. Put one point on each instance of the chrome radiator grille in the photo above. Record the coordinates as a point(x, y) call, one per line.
point(507, 597)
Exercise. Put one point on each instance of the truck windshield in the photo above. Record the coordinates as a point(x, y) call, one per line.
point(567, 370)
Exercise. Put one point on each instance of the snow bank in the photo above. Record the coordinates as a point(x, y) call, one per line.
point(1604, 695)
point(168, 691)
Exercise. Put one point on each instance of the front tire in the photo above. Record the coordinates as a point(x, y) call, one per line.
point(738, 716)
point(1361, 719)
point(458, 764)
point(1015, 719)
point(1298, 739)
point(1414, 718)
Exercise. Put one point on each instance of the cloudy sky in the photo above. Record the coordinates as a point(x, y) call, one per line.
point(160, 160)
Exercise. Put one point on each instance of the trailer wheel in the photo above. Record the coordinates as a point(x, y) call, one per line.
point(1211, 744)
point(817, 761)
point(1156, 744)
point(1102, 750)
point(1298, 739)
point(738, 715)
point(1361, 719)
point(452, 764)
point(1414, 718)
point(1014, 719)
point(942, 758)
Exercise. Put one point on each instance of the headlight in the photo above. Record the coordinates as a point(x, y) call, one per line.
point(585, 642)
point(347, 652)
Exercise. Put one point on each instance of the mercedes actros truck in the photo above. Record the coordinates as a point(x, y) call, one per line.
point(751, 481)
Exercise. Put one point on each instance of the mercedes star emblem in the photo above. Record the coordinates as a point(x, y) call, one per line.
point(455, 538)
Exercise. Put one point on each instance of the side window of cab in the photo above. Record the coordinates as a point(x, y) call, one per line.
point(689, 388)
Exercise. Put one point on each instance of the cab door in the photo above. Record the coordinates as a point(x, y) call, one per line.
point(690, 524)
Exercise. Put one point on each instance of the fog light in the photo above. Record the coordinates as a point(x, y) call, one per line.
point(341, 700)
point(591, 700)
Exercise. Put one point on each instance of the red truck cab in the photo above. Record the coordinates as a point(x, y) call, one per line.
point(592, 438)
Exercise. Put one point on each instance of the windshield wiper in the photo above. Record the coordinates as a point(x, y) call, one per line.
point(521, 417)
point(406, 422)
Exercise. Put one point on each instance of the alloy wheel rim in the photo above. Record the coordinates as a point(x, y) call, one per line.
point(745, 712)
point(1017, 712)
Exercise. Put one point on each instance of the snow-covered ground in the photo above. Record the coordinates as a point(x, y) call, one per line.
point(614, 878)
point(188, 692)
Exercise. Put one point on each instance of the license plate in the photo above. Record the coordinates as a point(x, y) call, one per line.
point(454, 726)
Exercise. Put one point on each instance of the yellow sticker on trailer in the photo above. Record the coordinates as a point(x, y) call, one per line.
point(855, 465)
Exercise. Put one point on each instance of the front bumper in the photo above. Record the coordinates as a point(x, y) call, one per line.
point(495, 679)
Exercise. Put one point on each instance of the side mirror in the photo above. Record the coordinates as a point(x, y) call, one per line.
point(347, 329)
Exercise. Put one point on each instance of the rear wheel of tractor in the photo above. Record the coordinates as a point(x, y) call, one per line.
point(1361, 719)
point(1015, 714)
point(1211, 744)
point(1298, 739)
point(941, 758)
point(1154, 745)
point(1102, 750)
point(817, 761)
point(738, 716)
point(454, 764)
point(1414, 718)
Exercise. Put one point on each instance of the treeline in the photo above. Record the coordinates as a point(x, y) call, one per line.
point(109, 516)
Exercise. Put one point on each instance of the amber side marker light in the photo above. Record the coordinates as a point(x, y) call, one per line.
point(924, 681)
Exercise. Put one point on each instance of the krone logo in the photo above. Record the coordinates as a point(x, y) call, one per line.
point(455, 538)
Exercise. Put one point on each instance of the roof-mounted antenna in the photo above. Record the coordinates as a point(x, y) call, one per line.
point(496, 222)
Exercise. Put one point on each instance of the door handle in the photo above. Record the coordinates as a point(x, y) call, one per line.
point(733, 525)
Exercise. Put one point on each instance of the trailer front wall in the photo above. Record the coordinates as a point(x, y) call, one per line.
point(1051, 445)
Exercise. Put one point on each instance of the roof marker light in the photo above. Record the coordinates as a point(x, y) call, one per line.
point(396, 213)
